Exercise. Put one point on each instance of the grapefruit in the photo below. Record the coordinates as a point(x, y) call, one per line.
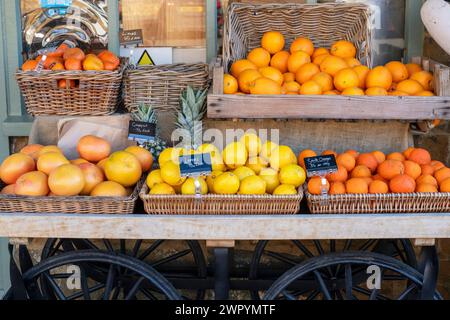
point(14, 166)
point(51, 160)
point(124, 168)
point(93, 148)
point(66, 180)
point(32, 150)
point(32, 184)
point(93, 175)
point(109, 189)
point(143, 155)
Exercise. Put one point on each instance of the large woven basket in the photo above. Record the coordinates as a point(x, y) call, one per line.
point(97, 92)
point(79, 204)
point(379, 203)
point(324, 24)
point(213, 204)
point(161, 86)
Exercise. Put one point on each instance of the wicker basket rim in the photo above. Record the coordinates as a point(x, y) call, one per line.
point(334, 5)
point(376, 196)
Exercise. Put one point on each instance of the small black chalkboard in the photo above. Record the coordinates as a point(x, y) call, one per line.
point(321, 165)
point(195, 165)
point(131, 37)
point(141, 131)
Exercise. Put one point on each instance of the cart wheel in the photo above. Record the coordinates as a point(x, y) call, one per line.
point(345, 276)
point(304, 250)
point(180, 262)
point(64, 277)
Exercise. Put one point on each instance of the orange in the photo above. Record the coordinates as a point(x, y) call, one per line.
point(273, 42)
point(402, 184)
point(442, 174)
point(246, 78)
point(377, 177)
point(425, 94)
point(311, 88)
point(397, 93)
point(357, 186)
point(14, 166)
point(425, 79)
point(29, 65)
point(51, 61)
point(230, 84)
point(368, 160)
point(302, 44)
point(427, 179)
point(319, 59)
point(317, 184)
point(420, 156)
point(346, 78)
point(93, 149)
point(353, 153)
point(437, 165)
point(73, 64)
point(379, 77)
point(389, 169)
point(343, 49)
point(33, 183)
point(66, 84)
point(396, 156)
point(280, 61)
point(376, 91)
point(329, 153)
point(324, 80)
point(305, 154)
point(361, 172)
point(331, 93)
point(347, 161)
point(353, 92)
point(378, 186)
point(74, 53)
point(290, 92)
point(398, 71)
point(411, 87)
point(291, 87)
point(241, 65)
point(407, 152)
point(412, 169)
point(296, 60)
point(380, 156)
point(319, 52)
point(393, 87)
point(337, 188)
point(265, 86)
point(260, 57)
point(352, 62)
point(58, 66)
point(426, 188)
point(332, 65)
point(273, 74)
point(110, 61)
point(93, 63)
point(413, 68)
point(362, 72)
point(306, 72)
point(339, 176)
point(444, 186)
point(289, 76)
point(427, 169)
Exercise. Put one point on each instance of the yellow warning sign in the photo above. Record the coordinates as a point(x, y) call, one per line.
point(145, 59)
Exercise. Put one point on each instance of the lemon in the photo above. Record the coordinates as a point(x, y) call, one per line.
point(169, 154)
point(252, 185)
point(153, 178)
point(208, 148)
point(226, 183)
point(252, 142)
point(217, 162)
point(243, 172)
point(235, 155)
point(170, 173)
point(162, 188)
point(266, 149)
point(270, 176)
point(188, 186)
point(177, 188)
point(210, 180)
point(285, 189)
point(292, 174)
point(256, 164)
point(281, 157)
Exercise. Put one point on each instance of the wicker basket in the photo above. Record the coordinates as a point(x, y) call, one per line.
point(213, 204)
point(79, 204)
point(97, 93)
point(161, 86)
point(324, 24)
point(379, 203)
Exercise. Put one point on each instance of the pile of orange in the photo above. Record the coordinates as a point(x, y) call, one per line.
point(377, 173)
point(74, 59)
point(306, 70)
point(39, 170)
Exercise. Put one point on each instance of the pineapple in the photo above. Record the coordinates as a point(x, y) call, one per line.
point(189, 119)
point(146, 113)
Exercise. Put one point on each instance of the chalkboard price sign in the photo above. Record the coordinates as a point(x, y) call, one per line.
point(321, 165)
point(195, 165)
point(131, 37)
point(141, 131)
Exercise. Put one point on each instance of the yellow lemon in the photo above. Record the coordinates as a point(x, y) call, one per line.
point(217, 162)
point(270, 176)
point(169, 154)
point(162, 188)
point(292, 174)
point(256, 164)
point(243, 172)
point(281, 157)
point(226, 183)
point(153, 178)
point(188, 186)
point(252, 142)
point(170, 173)
point(285, 189)
point(266, 149)
point(252, 185)
point(208, 148)
point(235, 155)
point(210, 180)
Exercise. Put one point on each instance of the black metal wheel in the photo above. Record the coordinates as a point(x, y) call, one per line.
point(345, 276)
point(181, 262)
point(65, 277)
point(267, 264)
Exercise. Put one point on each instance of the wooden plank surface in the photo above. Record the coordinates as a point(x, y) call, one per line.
point(387, 226)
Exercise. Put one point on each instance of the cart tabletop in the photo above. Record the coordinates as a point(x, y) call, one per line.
point(226, 227)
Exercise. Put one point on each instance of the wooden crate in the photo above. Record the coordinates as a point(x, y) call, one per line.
point(222, 106)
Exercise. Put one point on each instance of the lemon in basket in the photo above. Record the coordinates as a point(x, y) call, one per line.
point(208, 148)
point(188, 186)
point(252, 185)
point(243, 172)
point(217, 162)
point(226, 183)
point(256, 164)
point(281, 157)
point(252, 142)
point(285, 189)
point(270, 176)
point(170, 173)
point(292, 174)
point(235, 155)
point(153, 178)
point(162, 188)
point(210, 180)
point(266, 150)
point(169, 154)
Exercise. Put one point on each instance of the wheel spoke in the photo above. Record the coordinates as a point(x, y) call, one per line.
point(109, 282)
point(373, 294)
point(148, 294)
point(84, 284)
point(347, 245)
point(171, 258)
point(150, 249)
point(56, 248)
point(108, 245)
point(319, 247)
point(303, 248)
point(366, 245)
point(322, 285)
point(281, 258)
point(399, 252)
point(136, 248)
point(348, 282)
point(132, 293)
point(368, 293)
point(332, 245)
point(90, 244)
point(55, 286)
point(288, 295)
point(406, 292)
point(123, 246)
point(313, 295)
point(91, 290)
